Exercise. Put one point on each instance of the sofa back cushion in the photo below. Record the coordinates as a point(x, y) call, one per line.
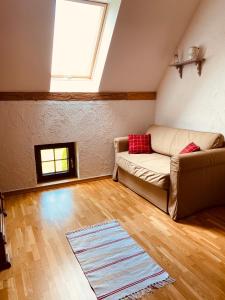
point(170, 141)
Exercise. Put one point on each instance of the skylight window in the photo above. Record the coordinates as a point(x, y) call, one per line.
point(82, 35)
point(78, 27)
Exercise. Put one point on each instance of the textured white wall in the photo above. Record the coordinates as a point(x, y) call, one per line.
point(198, 102)
point(93, 125)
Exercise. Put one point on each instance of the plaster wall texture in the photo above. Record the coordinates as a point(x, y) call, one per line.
point(198, 102)
point(93, 125)
point(139, 52)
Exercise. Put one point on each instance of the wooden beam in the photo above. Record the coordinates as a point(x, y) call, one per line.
point(43, 96)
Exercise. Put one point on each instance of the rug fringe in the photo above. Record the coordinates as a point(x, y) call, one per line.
point(149, 289)
point(92, 226)
point(160, 284)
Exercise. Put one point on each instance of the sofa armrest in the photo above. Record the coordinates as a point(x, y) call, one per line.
point(197, 160)
point(196, 182)
point(121, 144)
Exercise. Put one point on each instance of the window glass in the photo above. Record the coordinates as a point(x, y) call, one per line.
point(61, 165)
point(61, 153)
point(47, 154)
point(77, 31)
point(48, 167)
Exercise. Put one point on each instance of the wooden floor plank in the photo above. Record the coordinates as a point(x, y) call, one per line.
point(44, 267)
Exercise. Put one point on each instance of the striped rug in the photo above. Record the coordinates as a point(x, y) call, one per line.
point(115, 266)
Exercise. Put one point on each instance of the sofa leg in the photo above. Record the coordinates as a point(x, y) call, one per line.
point(115, 173)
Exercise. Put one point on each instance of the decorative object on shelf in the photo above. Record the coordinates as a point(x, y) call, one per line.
point(4, 261)
point(193, 58)
point(193, 53)
point(176, 58)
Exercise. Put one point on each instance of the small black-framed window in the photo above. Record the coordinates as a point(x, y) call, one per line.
point(55, 161)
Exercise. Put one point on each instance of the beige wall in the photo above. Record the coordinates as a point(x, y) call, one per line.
point(198, 102)
point(144, 39)
point(93, 125)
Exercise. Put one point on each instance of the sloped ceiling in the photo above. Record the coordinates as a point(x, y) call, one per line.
point(26, 31)
point(146, 34)
point(145, 37)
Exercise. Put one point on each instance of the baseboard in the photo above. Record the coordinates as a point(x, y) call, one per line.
point(55, 184)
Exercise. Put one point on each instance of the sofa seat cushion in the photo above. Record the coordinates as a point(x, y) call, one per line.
point(153, 168)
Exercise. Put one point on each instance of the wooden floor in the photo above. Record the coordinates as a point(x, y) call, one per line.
point(44, 267)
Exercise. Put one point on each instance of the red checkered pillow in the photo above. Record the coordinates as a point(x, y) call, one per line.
point(190, 148)
point(139, 143)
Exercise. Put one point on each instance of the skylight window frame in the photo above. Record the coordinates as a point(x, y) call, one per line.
point(91, 84)
point(97, 45)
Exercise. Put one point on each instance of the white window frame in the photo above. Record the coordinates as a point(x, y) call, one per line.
point(91, 83)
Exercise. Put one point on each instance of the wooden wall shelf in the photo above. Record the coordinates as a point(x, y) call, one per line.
point(180, 65)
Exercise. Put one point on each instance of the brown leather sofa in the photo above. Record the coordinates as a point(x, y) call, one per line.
point(179, 184)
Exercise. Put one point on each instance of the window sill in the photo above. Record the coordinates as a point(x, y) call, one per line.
point(55, 183)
